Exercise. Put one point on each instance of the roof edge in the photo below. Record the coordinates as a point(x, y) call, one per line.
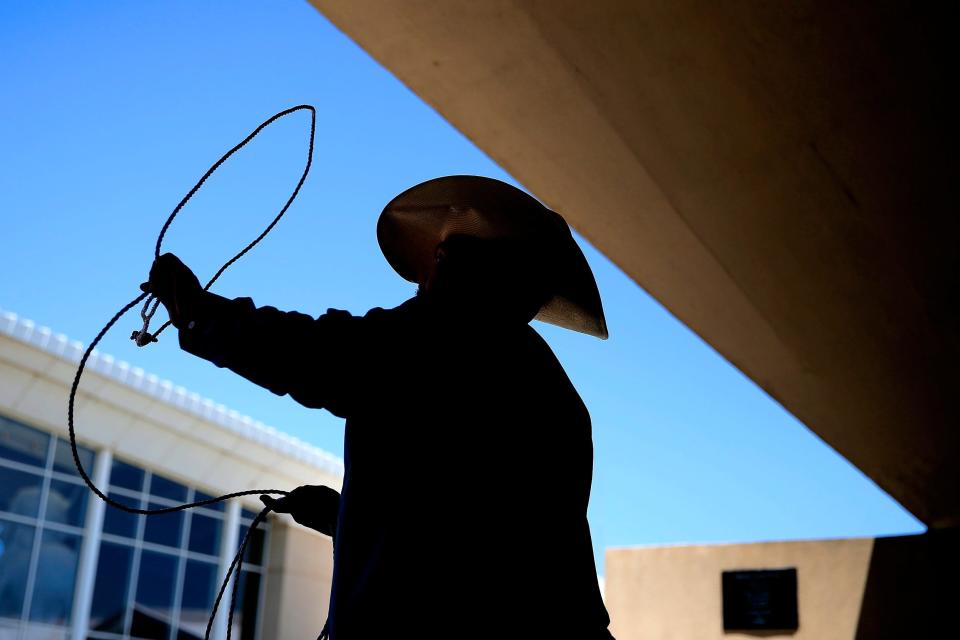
point(59, 345)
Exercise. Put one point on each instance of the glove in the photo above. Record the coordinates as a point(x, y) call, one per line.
point(175, 286)
point(315, 507)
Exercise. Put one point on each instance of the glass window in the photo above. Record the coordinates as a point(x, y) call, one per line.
point(200, 496)
point(20, 493)
point(159, 608)
point(155, 590)
point(149, 624)
point(109, 605)
point(119, 522)
point(190, 629)
point(56, 573)
point(165, 488)
point(23, 444)
point(205, 534)
point(138, 592)
point(67, 503)
point(245, 615)
point(254, 553)
point(163, 528)
point(63, 458)
point(126, 476)
point(16, 545)
point(9, 629)
point(199, 590)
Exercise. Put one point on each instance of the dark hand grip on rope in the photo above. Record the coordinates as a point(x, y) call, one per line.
point(143, 337)
point(312, 506)
point(176, 287)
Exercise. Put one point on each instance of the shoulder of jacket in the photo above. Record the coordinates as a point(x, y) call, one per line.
point(377, 316)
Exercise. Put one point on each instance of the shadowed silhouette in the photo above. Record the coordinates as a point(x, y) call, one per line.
point(468, 452)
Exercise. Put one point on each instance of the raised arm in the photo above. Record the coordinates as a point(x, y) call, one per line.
point(316, 361)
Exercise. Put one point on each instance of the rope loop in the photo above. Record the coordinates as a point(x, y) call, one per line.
point(143, 338)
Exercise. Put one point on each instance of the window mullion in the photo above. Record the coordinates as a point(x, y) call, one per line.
point(38, 535)
point(137, 552)
point(181, 569)
point(228, 549)
point(90, 549)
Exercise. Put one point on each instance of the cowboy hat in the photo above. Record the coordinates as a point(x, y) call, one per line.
point(416, 221)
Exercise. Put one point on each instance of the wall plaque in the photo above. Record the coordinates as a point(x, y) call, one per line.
point(760, 600)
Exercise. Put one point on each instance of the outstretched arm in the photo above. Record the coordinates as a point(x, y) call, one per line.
point(314, 360)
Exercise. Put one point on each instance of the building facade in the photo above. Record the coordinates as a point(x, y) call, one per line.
point(73, 567)
point(840, 589)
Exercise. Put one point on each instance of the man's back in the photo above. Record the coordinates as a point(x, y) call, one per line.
point(467, 480)
point(468, 461)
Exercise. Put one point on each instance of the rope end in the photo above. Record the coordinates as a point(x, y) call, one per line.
point(142, 338)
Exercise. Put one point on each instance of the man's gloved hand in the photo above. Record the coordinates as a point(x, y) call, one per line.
point(175, 287)
point(312, 506)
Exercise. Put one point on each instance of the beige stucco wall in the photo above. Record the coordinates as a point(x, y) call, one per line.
point(674, 593)
point(298, 583)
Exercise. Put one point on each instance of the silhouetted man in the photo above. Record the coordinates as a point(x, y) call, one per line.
point(468, 453)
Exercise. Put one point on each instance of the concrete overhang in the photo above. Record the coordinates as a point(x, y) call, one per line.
point(778, 175)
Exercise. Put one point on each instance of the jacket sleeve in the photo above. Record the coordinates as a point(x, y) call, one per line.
point(316, 361)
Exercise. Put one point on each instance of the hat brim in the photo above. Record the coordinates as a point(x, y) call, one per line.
point(416, 221)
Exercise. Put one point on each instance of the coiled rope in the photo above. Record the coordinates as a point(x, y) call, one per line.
point(143, 338)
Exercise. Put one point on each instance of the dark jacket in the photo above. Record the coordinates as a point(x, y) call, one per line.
point(468, 462)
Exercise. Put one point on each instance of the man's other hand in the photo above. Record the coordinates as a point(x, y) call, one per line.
point(315, 507)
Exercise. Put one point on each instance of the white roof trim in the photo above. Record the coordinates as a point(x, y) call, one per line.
point(59, 345)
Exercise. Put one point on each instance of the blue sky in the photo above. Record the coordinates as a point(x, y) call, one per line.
point(111, 111)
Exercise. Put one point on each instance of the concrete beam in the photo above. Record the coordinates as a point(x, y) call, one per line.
point(779, 176)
